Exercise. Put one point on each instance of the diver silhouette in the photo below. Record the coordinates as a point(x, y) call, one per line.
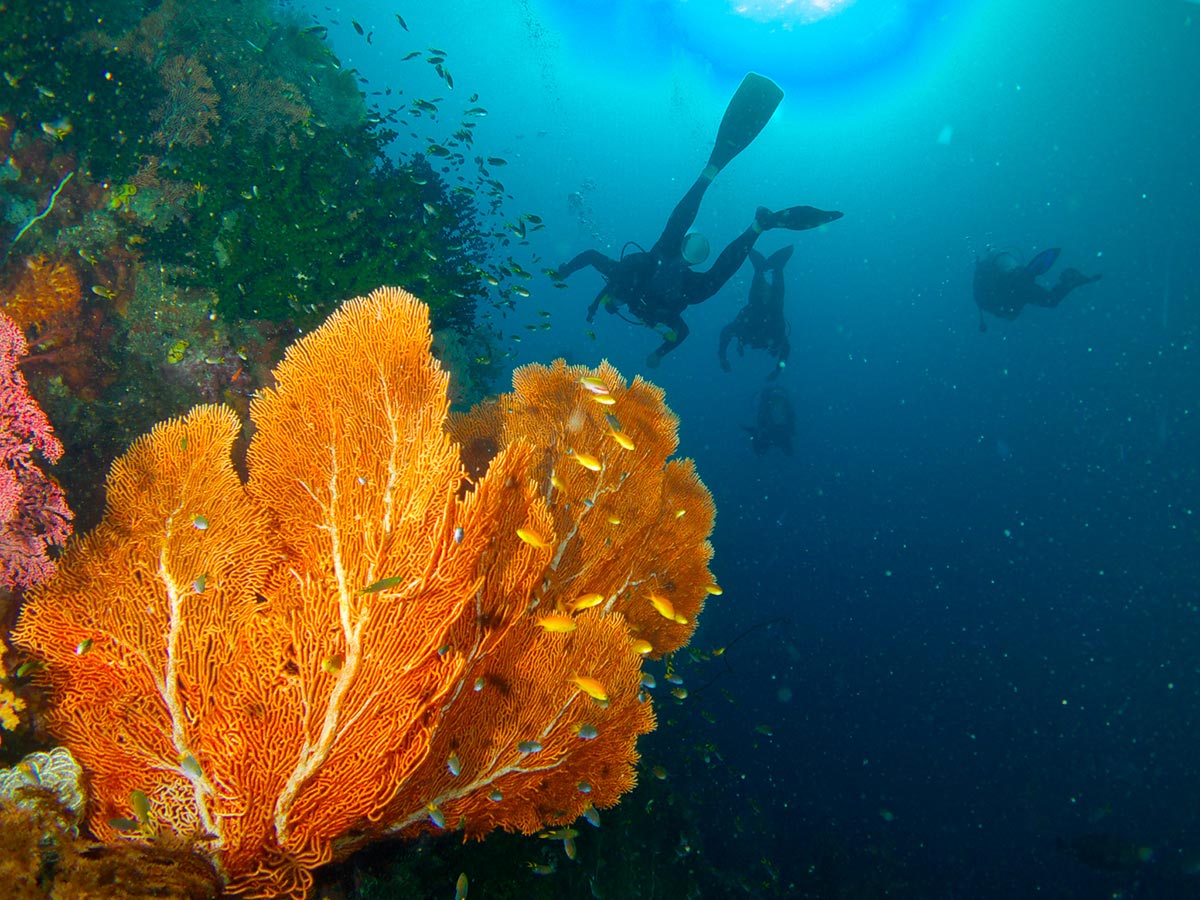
point(775, 423)
point(657, 285)
point(760, 324)
point(1003, 287)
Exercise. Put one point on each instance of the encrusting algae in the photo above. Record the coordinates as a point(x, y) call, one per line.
point(363, 639)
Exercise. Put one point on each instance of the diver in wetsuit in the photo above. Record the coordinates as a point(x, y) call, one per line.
point(760, 324)
point(658, 285)
point(1003, 287)
point(775, 422)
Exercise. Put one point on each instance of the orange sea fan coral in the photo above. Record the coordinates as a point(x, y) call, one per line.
point(635, 526)
point(44, 293)
point(346, 645)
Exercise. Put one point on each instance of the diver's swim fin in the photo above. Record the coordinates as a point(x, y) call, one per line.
point(779, 258)
point(794, 218)
point(750, 109)
point(1041, 263)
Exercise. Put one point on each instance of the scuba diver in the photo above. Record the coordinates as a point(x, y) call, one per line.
point(659, 284)
point(775, 424)
point(760, 323)
point(1003, 287)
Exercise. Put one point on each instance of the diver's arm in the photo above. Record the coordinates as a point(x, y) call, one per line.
point(603, 297)
point(594, 258)
point(675, 335)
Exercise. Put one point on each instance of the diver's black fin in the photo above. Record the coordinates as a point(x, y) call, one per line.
point(779, 258)
point(757, 260)
point(795, 218)
point(750, 109)
point(1041, 263)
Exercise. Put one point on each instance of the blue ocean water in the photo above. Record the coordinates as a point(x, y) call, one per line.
point(961, 620)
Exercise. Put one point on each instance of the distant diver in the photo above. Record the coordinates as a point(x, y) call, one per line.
point(775, 424)
point(1003, 287)
point(658, 285)
point(760, 324)
point(1106, 852)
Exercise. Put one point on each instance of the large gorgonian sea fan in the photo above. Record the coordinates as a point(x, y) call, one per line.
point(361, 640)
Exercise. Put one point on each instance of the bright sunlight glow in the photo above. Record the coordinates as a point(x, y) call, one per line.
point(788, 13)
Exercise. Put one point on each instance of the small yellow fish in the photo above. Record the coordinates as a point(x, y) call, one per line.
point(533, 539)
point(141, 805)
point(614, 520)
point(713, 589)
point(559, 834)
point(585, 601)
point(381, 585)
point(604, 399)
point(557, 624)
point(333, 664)
point(190, 767)
point(641, 645)
point(460, 886)
point(556, 482)
point(178, 349)
point(108, 293)
point(590, 686)
point(594, 384)
point(588, 461)
point(57, 130)
point(622, 439)
point(665, 608)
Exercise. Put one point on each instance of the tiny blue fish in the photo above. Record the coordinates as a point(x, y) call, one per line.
point(584, 787)
point(588, 732)
point(436, 816)
point(458, 534)
point(454, 765)
point(592, 816)
point(529, 746)
point(495, 796)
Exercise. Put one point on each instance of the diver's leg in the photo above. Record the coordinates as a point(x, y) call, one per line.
point(594, 258)
point(682, 217)
point(705, 284)
point(1036, 295)
point(723, 346)
point(672, 338)
point(1067, 282)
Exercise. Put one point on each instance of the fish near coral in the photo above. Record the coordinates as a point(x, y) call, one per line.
point(328, 616)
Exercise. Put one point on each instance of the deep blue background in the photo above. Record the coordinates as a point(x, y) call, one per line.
point(981, 563)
